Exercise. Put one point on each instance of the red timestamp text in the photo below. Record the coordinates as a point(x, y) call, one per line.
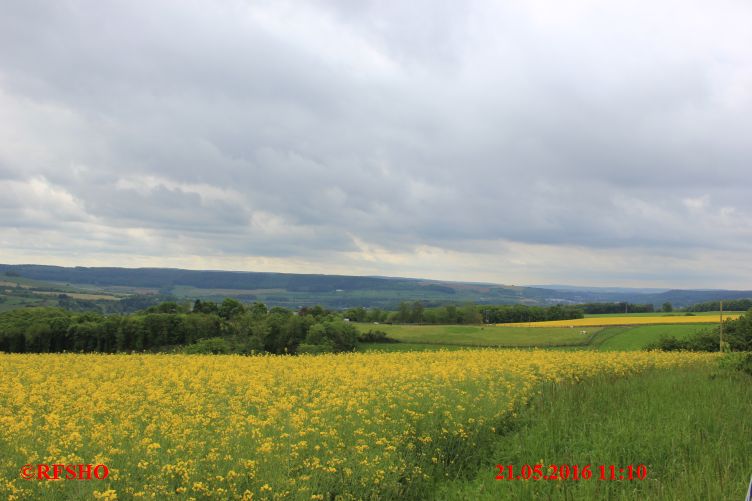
point(571, 472)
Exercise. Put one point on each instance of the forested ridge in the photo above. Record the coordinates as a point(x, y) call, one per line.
point(334, 291)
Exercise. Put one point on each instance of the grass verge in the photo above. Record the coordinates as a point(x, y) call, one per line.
point(691, 427)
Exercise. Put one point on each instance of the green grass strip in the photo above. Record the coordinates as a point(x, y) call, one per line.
point(691, 427)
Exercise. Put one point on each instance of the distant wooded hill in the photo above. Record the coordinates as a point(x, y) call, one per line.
point(333, 291)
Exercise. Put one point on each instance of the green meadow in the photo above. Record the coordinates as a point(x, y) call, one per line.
point(485, 335)
point(618, 338)
point(690, 427)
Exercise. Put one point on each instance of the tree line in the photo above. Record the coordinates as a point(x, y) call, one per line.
point(416, 313)
point(622, 307)
point(728, 305)
point(231, 325)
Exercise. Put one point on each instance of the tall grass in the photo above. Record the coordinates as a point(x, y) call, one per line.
point(692, 427)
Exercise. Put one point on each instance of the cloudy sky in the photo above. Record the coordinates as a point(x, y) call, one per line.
point(524, 141)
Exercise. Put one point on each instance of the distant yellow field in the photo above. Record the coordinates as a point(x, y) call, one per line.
point(625, 320)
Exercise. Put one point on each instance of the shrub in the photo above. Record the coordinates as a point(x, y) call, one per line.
point(668, 343)
point(315, 348)
point(212, 345)
point(737, 336)
point(340, 335)
point(737, 362)
point(745, 363)
point(376, 337)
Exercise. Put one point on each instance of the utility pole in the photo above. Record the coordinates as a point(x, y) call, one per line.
point(720, 346)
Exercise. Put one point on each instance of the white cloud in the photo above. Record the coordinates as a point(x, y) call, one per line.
point(526, 141)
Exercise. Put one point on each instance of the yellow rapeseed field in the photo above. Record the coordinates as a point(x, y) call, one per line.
point(359, 426)
point(625, 320)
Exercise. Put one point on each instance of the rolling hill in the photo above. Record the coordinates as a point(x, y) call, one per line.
point(333, 291)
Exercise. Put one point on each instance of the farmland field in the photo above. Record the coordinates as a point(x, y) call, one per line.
point(714, 315)
point(432, 337)
point(605, 320)
point(486, 335)
point(8, 303)
point(79, 295)
point(373, 425)
point(638, 337)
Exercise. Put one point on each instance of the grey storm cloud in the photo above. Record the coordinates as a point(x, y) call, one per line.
point(325, 134)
